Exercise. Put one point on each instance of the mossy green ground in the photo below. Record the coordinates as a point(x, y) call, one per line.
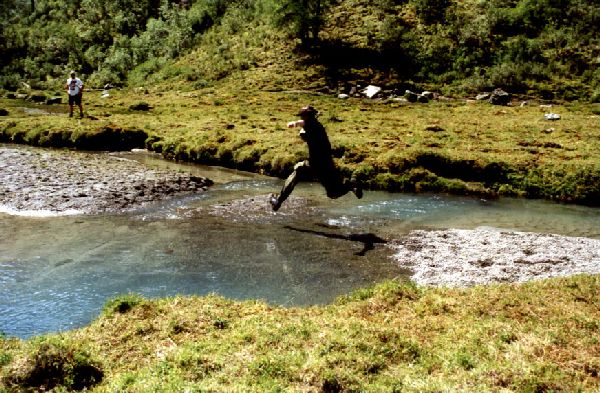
point(535, 337)
point(455, 146)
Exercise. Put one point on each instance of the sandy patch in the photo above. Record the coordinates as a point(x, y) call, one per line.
point(458, 257)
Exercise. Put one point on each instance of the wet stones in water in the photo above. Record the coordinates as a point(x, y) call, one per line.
point(255, 209)
point(90, 183)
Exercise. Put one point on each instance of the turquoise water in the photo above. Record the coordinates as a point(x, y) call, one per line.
point(56, 273)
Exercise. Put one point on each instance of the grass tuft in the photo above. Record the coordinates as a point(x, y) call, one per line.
point(538, 336)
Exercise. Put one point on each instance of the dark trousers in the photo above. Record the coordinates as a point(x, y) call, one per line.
point(328, 176)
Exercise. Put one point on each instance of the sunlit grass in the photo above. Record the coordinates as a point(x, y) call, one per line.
point(454, 146)
point(538, 336)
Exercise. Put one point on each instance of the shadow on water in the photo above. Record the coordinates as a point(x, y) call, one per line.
point(367, 239)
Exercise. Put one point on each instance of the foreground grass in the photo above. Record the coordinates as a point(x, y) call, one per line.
point(453, 146)
point(540, 336)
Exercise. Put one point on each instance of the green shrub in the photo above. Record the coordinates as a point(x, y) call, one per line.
point(595, 98)
point(122, 304)
point(53, 363)
point(432, 11)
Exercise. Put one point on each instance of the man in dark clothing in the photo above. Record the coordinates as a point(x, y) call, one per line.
point(320, 161)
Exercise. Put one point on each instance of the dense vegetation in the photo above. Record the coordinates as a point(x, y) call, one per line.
point(547, 47)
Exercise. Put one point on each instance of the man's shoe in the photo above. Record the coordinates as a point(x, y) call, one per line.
point(357, 189)
point(274, 201)
point(358, 192)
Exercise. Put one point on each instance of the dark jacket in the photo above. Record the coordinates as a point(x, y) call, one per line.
point(319, 147)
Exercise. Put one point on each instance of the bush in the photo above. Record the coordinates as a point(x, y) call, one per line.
point(10, 82)
point(595, 98)
point(471, 45)
point(432, 11)
point(122, 304)
point(50, 364)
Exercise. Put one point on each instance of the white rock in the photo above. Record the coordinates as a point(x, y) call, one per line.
point(552, 116)
point(370, 91)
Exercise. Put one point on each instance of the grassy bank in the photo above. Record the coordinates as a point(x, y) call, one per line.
point(535, 337)
point(456, 146)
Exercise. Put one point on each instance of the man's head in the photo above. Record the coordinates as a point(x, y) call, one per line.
point(308, 112)
point(73, 74)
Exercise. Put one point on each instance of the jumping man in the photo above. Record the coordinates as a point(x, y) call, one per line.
point(320, 161)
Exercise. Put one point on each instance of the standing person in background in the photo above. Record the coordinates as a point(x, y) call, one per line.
point(319, 164)
point(74, 88)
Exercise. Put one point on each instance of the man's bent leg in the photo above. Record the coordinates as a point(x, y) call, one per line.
point(336, 188)
point(289, 185)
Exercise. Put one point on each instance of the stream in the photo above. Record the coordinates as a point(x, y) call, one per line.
point(57, 271)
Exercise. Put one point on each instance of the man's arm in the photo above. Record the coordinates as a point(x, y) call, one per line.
point(297, 123)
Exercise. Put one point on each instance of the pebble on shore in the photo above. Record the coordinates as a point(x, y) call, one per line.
point(462, 258)
point(62, 182)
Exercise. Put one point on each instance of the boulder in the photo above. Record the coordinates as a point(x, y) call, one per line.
point(483, 97)
point(499, 97)
point(54, 100)
point(3, 112)
point(429, 95)
point(434, 128)
point(422, 99)
point(410, 96)
point(371, 91)
point(552, 116)
point(38, 97)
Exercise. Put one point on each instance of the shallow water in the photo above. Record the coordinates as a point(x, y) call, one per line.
point(56, 273)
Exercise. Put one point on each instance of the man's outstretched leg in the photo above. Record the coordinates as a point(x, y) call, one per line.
point(288, 186)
